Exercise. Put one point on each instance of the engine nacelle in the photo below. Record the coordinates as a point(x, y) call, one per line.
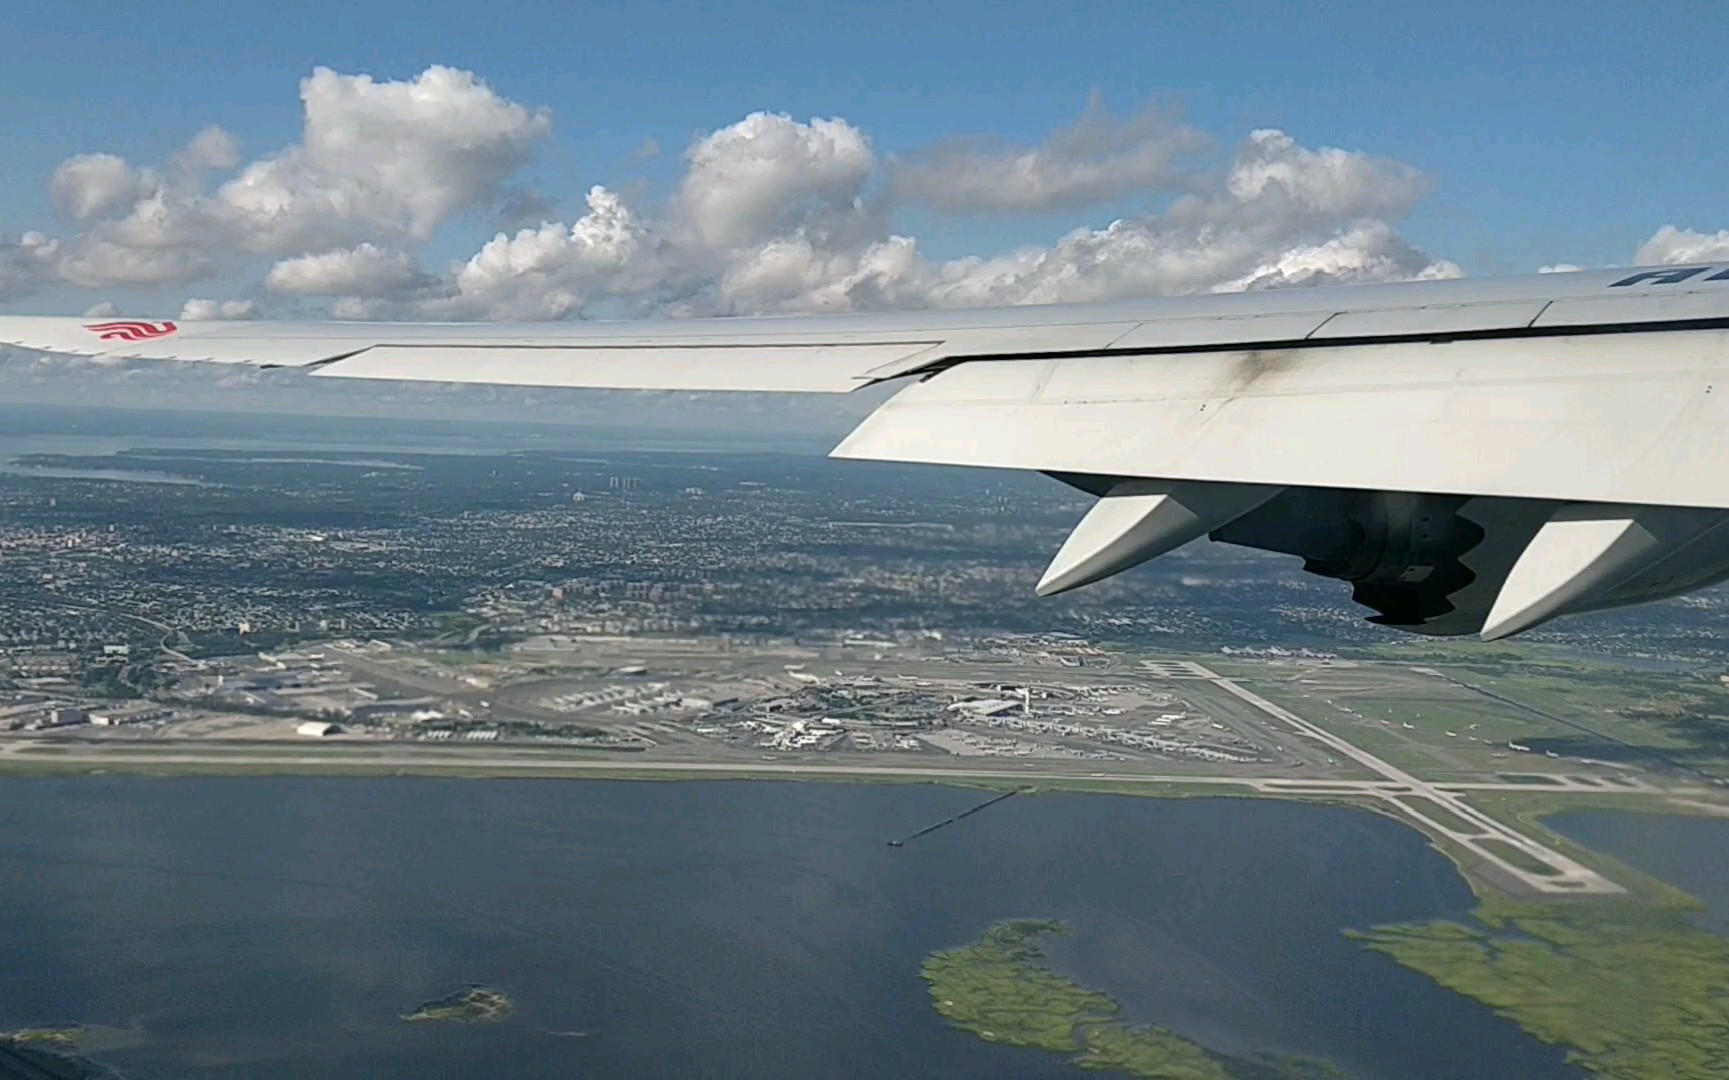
point(1430, 564)
point(1447, 565)
point(1442, 565)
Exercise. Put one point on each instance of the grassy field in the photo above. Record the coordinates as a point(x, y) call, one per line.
point(1474, 716)
point(1437, 813)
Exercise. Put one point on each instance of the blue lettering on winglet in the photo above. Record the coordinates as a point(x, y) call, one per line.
point(1668, 277)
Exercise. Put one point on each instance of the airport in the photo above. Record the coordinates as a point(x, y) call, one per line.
point(1049, 712)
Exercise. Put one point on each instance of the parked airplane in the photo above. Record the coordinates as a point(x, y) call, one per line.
point(1474, 457)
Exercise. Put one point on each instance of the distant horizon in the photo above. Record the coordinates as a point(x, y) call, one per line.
point(350, 429)
point(201, 390)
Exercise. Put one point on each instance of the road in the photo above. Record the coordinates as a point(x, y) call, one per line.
point(168, 632)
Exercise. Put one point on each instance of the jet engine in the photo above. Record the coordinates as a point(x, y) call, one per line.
point(1433, 564)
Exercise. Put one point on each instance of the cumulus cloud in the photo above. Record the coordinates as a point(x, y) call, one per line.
point(219, 309)
point(768, 174)
point(1094, 160)
point(1282, 215)
point(211, 148)
point(376, 161)
point(777, 215)
point(382, 158)
point(1320, 185)
point(365, 269)
point(90, 185)
point(95, 262)
point(1670, 246)
point(770, 214)
point(547, 272)
point(25, 263)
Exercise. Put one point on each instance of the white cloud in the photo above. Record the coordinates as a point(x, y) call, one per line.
point(210, 149)
point(97, 263)
point(1094, 160)
point(1281, 215)
point(376, 161)
point(365, 269)
point(92, 185)
point(771, 214)
point(1368, 251)
point(218, 309)
point(1670, 246)
point(1320, 185)
point(25, 263)
point(547, 272)
point(393, 159)
point(769, 173)
point(597, 252)
point(1558, 268)
point(103, 310)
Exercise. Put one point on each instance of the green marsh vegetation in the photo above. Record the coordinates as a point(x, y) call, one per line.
point(1633, 989)
point(1001, 989)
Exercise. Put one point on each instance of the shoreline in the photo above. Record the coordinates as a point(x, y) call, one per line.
point(1523, 809)
point(1502, 953)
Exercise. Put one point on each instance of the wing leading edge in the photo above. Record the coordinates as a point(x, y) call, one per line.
point(837, 353)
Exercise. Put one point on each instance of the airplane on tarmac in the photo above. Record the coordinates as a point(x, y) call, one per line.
point(1474, 457)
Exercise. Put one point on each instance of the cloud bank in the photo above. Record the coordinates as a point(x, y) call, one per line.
point(769, 214)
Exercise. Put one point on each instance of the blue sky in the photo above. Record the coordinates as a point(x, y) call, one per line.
point(1550, 132)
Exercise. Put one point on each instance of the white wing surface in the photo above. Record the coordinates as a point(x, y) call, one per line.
point(1455, 449)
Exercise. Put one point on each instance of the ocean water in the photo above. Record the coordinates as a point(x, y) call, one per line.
point(1690, 853)
point(270, 927)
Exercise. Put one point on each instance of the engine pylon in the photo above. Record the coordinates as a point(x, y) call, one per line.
point(1581, 552)
point(1137, 520)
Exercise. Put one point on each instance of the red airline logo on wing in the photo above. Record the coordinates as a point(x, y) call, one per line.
point(130, 330)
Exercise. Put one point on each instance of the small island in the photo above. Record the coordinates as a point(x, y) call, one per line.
point(470, 1005)
point(47, 1052)
point(58, 1038)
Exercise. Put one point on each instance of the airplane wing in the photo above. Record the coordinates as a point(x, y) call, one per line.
point(1474, 457)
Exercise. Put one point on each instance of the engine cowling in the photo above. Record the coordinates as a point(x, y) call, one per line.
point(1430, 564)
point(1441, 565)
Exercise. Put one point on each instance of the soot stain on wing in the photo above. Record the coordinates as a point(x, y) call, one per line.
point(1255, 365)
